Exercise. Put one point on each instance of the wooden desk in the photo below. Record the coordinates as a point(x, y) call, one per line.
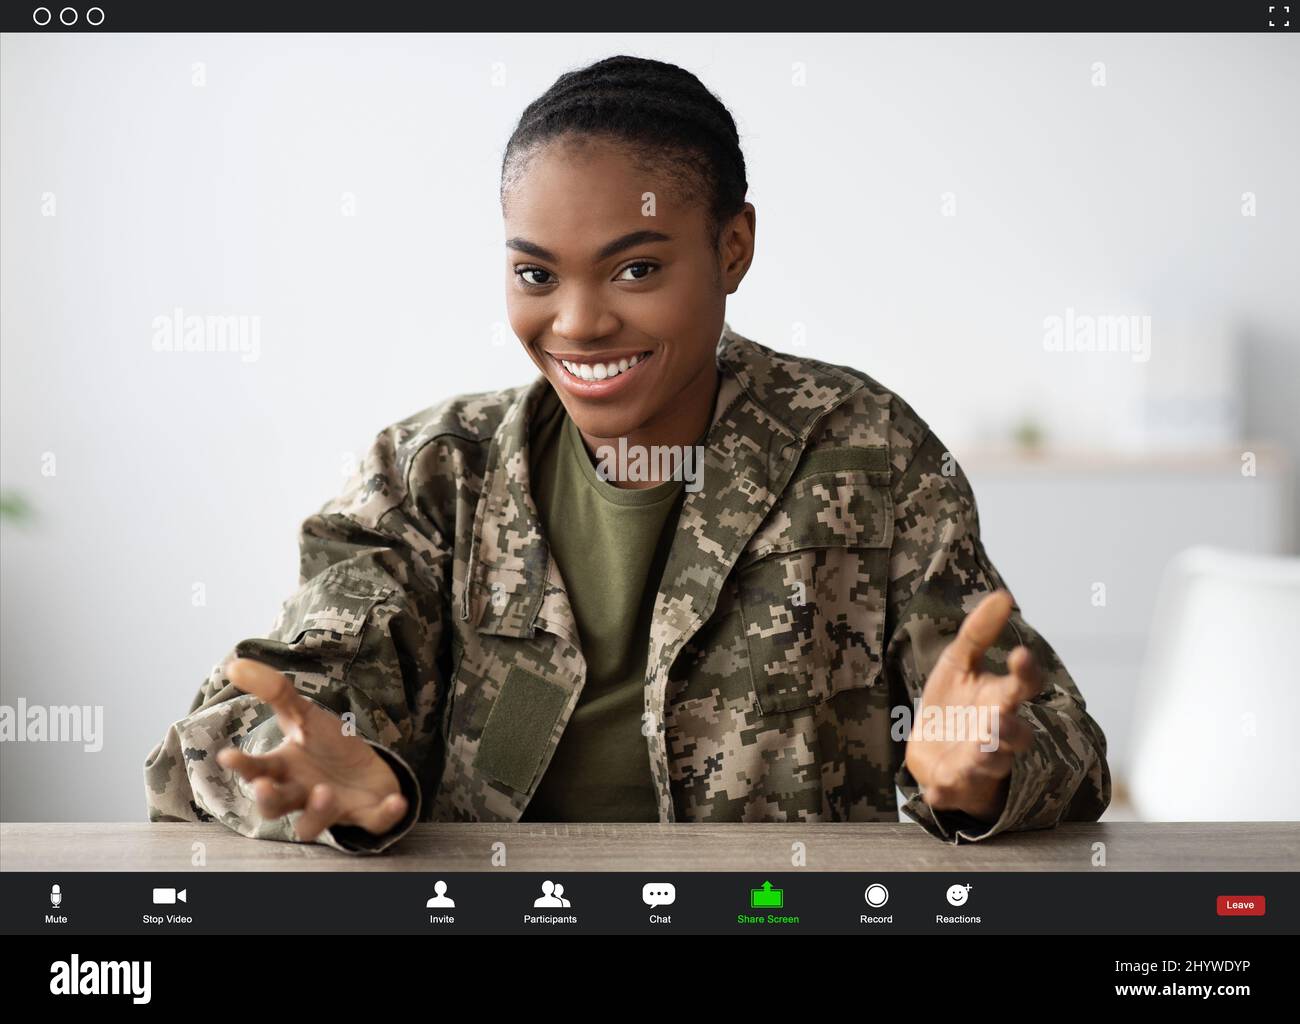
point(1130, 846)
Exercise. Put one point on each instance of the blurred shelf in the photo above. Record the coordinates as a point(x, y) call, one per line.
point(1270, 458)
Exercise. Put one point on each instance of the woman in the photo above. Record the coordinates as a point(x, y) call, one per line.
point(518, 610)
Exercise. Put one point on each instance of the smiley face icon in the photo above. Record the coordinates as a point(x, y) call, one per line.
point(959, 894)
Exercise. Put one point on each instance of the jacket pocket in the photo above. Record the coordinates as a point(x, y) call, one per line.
point(326, 618)
point(813, 582)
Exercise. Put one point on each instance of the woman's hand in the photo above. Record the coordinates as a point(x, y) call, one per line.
point(332, 777)
point(954, 772)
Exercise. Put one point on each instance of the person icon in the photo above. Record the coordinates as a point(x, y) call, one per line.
point(550, 895)
point(559, 895)
point(440, 897)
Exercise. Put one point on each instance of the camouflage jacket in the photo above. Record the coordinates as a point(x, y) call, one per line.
point(431, 611)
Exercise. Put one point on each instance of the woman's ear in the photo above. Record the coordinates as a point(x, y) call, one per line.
point(736, 247)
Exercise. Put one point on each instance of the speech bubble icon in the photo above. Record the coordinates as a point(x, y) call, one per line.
point(658, 894)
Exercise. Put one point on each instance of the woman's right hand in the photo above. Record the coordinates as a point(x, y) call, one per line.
point(332, 777)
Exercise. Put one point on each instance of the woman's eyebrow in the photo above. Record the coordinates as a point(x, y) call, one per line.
point(606, 251)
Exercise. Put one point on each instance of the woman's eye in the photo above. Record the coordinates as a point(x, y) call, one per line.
point(637, 272)
point(523, 271)
point(647, 268)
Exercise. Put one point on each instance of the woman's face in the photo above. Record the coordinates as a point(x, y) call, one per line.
point(603, 276)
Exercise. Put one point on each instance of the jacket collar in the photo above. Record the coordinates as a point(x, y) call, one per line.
point(767, 406)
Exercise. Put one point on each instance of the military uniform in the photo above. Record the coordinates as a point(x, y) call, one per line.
point(813, 580)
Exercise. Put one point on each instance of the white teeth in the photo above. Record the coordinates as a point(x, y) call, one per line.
point(601, 371)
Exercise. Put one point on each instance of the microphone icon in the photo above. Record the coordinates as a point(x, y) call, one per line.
point(56, 897)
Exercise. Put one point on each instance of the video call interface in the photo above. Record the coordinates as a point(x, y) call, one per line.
point(710, 471)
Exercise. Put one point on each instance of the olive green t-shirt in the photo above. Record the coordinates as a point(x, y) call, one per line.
point(611, 544)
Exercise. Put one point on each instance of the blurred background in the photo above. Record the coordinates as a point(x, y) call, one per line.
point(1074, 256)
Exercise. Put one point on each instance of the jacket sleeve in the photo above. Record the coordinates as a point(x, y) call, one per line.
point(938, 574)
point(362, 637)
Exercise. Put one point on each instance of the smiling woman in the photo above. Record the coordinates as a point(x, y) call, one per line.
point(506, 633)
point(623, 193)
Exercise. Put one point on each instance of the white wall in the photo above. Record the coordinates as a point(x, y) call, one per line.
point(177, 469)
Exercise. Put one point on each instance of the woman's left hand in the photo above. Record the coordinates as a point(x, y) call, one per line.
point(969, 768)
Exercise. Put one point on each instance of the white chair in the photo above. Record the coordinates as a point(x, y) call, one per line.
point(1217, 713)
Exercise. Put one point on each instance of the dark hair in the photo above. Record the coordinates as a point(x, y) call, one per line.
point(663, 115)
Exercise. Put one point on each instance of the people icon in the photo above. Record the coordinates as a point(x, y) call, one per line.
point(440, 898)
point(552, 896)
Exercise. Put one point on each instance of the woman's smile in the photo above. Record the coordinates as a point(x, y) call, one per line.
point(599, 377)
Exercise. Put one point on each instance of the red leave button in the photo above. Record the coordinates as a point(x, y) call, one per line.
point(1241, 906)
